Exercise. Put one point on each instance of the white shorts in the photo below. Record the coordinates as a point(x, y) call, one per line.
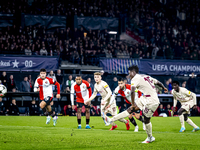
point(148, 109)
point(187, 106)
point(111, 110)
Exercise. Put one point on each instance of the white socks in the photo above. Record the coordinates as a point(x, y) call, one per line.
point(182, 121)
point(123, 120)
point(190, 122)
point(149, 129)
point(121, 115)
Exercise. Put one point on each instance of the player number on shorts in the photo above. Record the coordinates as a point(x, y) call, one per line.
point(146, 110)
point(148, 80)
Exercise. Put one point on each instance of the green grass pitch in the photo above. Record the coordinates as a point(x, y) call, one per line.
point(31, 132)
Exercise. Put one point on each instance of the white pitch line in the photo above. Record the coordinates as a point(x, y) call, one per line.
point(98, 129)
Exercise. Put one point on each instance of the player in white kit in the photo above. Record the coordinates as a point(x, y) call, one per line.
point(104, 90)
point(125, 91)
point(148, 103)
point(187, 100)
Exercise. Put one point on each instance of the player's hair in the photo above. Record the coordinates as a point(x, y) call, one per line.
point(176, 82)
point(134, 68)
point(121, 79)
point(78, 75)
point(43, 70)
point(97, 73)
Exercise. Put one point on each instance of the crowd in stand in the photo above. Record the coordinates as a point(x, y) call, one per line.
point(174, 36)
point(169, 27)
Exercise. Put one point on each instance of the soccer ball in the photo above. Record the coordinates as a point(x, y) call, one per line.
point(3, 90)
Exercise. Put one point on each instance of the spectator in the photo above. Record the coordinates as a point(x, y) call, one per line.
point(4, 78)
point(11, 83)
point(162, 111)
point(92, 110)
point(169, 110)
point(114, 84)
point(28, 51)
point(53, 76)
point(184, 84)
point(30, 82)
point(69, 110)
point(43, 51)
point(192, 83)
point(24, 85)
point(128, 79)
point(33, 108)
point(69, 82)
point(2, 107)
point(59, 78)
point(13, 109)
point(91, 85)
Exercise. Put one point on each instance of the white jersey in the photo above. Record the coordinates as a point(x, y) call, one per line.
point(104, 91)
point(183, 96)
point(45, 87)
point(146, 84)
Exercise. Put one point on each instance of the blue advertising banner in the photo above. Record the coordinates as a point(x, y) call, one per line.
point(169, 67)
point(119, 66)
point(27, 63)
point(97, 23)
point(151, 67)
point(50, 22)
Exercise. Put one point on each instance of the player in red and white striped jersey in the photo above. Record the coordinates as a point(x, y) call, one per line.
point(83, 92)
point(43, 85)
point(125, 91)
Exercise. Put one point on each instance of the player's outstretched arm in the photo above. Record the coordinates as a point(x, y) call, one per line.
point(162, 86)
point(58, 88)
point(92, 97)
point(194, 100)
point(174, 105)
point(133, 94)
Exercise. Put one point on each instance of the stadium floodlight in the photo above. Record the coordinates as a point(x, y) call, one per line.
point(112, 32)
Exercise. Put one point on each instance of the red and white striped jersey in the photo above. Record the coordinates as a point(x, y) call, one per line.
point(83, 92)
point(126, 93)
point(45, 87)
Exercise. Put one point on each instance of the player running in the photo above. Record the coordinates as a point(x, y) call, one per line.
point(125, 91)
point(104, 90)
point(43, 85)
point(187, 100)
point(148, 103)
point(83, 92)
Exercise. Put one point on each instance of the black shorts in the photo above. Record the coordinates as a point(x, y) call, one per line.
point(48, 100)
point(137, 111)
point(80, 105)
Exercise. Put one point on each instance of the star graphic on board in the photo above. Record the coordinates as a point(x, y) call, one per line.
point(15, 63)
